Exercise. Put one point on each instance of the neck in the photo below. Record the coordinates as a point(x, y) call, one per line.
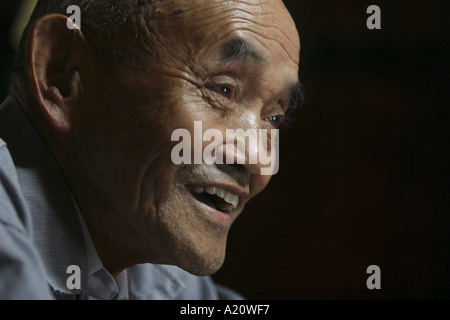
point(116, 242)
point(116, 245)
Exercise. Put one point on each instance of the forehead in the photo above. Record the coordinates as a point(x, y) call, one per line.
point(262, 23)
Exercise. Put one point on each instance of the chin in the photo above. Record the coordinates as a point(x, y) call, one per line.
point(203, 269)
point(201, 261)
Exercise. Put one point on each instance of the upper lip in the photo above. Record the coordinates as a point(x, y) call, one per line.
point(232, 195)
point(232, 181)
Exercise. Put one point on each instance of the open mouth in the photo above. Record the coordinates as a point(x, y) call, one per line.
point(216, 198)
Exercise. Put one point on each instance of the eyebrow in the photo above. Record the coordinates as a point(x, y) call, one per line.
point(296, 100)
point(238, 49)
point(296, 95)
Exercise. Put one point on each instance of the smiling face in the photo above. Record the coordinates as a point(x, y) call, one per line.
point(229, 64)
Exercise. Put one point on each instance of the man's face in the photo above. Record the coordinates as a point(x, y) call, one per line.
point(229, 64)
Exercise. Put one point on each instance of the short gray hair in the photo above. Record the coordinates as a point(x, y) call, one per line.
point(105, 24)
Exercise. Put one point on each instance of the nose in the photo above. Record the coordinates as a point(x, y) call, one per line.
point(250, 159)
point(255, 149)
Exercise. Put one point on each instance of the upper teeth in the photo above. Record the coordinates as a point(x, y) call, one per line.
point(221, 193)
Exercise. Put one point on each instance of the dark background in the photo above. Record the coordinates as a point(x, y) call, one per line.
point(8, 9)
point(364, 177)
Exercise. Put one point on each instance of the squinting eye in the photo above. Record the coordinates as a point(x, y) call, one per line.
point(275, 120)
point(225, 91)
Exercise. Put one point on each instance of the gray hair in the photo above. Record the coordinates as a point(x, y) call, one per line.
point(105, 25)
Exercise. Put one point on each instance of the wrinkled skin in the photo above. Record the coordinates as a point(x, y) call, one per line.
point(135, 201)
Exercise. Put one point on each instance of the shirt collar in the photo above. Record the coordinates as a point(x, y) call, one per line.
point(101, 284)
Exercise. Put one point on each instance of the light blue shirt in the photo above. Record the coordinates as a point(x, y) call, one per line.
point(41, 233)
point(101, 285)
point(21, 267)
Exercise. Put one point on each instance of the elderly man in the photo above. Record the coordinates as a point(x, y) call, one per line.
point(92, 204)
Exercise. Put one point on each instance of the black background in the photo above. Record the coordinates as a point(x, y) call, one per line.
point(364, 176)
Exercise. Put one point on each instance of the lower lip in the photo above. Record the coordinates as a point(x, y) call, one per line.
point(221, 217)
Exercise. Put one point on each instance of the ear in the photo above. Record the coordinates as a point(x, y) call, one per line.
point(53, 62)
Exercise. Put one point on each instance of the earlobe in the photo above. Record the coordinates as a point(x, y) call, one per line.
point(53, 62)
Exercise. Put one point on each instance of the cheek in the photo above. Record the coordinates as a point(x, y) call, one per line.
point(258, 183)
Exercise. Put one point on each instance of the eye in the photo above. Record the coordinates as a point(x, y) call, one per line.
point(275, 120)
point(226, 91)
